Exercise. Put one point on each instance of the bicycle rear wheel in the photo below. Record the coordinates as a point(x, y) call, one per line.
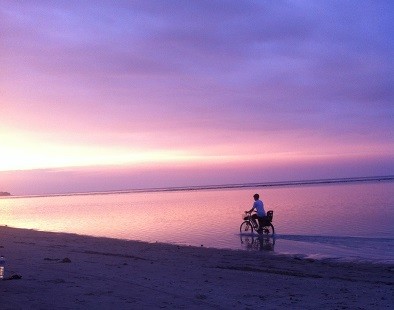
point(268, 230)
point(246, 227)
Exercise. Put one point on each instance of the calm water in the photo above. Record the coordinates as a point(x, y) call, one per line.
point(343, 221)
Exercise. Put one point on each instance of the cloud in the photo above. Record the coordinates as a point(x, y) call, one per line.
point(203, 72)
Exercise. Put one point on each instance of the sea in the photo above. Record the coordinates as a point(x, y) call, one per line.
point(343, 221)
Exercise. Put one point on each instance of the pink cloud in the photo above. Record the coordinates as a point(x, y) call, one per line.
point(201, 78)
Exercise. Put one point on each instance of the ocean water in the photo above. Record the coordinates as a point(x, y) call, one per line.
point(352, 221)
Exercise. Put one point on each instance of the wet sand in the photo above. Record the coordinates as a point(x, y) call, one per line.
point(68, 271)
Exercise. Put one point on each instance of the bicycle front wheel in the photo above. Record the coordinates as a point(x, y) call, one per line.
point(246, 227)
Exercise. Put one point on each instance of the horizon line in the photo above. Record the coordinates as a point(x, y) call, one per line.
point(219, 186)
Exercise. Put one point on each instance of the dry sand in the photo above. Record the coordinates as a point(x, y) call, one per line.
point(68, 271)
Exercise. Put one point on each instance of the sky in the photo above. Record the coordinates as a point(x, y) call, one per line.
point(115, 95)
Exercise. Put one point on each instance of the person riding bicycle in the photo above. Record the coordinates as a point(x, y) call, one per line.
point(258, 205)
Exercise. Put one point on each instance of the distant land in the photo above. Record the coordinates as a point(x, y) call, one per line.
point(388, 178)
point(264, 184)
point(5, 194)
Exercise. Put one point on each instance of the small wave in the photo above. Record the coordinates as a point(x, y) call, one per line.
point(361, 249)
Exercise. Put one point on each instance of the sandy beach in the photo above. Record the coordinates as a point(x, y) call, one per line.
point(68, 271)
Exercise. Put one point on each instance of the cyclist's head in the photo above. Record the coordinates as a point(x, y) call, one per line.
point(256, 196)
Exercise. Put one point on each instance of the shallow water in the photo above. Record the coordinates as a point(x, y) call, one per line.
point(342, 221)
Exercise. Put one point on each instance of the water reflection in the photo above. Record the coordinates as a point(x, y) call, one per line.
point(211, 217)
point(257, 242)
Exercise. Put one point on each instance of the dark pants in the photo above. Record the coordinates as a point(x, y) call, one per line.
point(259, 219)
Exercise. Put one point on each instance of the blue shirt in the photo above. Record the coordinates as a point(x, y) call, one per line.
point(259, 206)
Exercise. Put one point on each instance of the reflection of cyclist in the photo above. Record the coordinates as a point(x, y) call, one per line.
point(259, 206)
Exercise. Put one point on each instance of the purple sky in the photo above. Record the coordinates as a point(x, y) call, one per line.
point(100, 95)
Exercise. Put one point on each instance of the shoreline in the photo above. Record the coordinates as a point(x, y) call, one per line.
point(76, 271)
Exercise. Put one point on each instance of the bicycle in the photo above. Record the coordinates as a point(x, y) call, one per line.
point(249, 224)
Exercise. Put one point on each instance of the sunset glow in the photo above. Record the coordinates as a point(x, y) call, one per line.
point(262, 91)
